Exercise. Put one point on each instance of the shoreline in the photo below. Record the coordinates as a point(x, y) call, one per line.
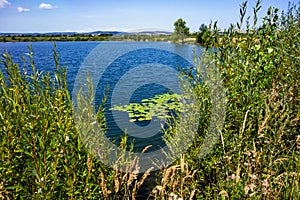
point(124, 38)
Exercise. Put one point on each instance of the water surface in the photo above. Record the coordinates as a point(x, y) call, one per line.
point(73, 55)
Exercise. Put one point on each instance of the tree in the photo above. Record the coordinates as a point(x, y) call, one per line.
point(202, 35)
point(202, 28)
point(181, 31)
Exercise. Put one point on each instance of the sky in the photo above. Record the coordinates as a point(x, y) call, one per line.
point(27, 16)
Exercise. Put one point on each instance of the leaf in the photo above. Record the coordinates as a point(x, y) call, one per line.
point(270, 50)
point(132, 120)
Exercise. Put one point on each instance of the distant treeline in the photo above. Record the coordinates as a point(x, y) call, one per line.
point(86, 37)
point(54, 37)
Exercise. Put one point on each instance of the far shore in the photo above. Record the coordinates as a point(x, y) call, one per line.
point(88, 37)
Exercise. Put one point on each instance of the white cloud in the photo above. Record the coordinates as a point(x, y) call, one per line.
point(21, 9)
point(46, 6)
point(4, 4)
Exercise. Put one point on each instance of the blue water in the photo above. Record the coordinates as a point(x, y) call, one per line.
point(73, 55)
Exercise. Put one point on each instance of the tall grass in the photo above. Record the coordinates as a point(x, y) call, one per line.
point(41, 153)
point(258, 156)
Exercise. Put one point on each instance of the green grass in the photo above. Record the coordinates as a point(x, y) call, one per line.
point(258, 157)
point(43, 157)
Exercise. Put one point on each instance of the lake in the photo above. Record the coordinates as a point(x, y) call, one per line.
point(132, 70)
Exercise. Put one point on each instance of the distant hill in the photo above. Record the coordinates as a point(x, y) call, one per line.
point(93, 33)
point(37, 34)
point(150, 33)
point(106, 33)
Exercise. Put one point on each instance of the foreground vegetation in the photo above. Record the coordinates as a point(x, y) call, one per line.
point(42, 156)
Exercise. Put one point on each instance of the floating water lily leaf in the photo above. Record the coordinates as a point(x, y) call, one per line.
point(159, 106)
point(132, 120)
point(141, 119)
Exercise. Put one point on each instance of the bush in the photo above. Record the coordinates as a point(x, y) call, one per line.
point(258, 156)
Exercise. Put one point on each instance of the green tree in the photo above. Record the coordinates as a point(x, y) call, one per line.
point(202, 28)
point(181, 31)
point(202, 34)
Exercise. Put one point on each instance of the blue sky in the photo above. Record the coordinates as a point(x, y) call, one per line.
point(120, 15)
